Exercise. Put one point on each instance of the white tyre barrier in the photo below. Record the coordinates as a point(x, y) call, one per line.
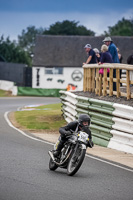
point(121, 141)
point(118, 116)
point(123, 125)
point(68, 117)
point(71, 98)
point(123, 111)
point(6, 85)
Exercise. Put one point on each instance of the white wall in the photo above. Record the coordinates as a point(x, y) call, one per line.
point(47, 81)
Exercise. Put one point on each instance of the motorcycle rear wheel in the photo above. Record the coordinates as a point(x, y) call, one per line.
point(73, 167)
point(52, 165)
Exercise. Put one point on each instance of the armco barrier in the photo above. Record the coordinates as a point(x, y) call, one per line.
point(111, 123)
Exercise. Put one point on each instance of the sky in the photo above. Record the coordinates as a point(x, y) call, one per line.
point(97, 15)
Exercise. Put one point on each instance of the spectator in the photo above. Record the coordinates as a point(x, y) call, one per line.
point(105, 57)
point(91, 55)
point(130, 62)
point(113, 51)
point(98, 55)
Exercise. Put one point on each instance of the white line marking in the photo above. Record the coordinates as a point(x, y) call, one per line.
point(33, 138)
point(109, 163)
point(11, 125)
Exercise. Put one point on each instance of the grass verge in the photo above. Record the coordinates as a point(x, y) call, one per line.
point(46, 117)
point(4, 93)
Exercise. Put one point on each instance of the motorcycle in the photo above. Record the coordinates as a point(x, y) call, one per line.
point(72, 154)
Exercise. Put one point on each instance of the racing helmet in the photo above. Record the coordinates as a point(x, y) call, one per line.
point(84, 118)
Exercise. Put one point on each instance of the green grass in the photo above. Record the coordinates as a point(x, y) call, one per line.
point(4, 93)
point(48, 117)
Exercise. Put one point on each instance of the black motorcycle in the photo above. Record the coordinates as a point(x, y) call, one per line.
point(72, 154)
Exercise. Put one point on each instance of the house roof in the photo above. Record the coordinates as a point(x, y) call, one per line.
point(68, 51)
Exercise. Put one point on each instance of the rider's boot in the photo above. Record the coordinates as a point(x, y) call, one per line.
point(58, 149)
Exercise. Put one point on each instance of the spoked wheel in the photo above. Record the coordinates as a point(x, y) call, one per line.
point(52, 165)
point(75, 161)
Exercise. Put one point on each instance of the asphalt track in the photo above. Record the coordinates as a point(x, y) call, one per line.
point(24, 173)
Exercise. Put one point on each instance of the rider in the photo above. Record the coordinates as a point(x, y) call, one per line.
point(81, 125)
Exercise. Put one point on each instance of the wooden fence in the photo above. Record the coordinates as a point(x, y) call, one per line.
point(103, 84)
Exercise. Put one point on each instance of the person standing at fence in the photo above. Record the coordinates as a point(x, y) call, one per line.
point(105, 58)
point(91, 55)
point(113, 51)
point(98, 54)
point(130, 62)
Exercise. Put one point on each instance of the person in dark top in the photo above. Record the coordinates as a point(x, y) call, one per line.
point(113, 51)
point(91, 55)
point(105, 57)
point(82, 124)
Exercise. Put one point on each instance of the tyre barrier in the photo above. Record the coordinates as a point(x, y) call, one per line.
point(111, 123)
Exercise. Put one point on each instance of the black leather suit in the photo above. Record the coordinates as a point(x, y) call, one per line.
point(73, 127)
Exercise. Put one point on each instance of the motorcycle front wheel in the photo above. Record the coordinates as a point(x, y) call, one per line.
point(75, 161)
point(52, 165)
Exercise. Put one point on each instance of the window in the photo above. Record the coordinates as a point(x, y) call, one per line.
point(53, 70)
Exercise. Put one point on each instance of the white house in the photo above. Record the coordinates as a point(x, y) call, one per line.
point(57, 77)
point(58, 60)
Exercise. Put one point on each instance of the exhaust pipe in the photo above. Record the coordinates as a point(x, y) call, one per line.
point(51, 155)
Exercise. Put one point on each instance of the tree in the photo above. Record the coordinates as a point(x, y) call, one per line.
point(12, 52)
point(68, 28)
point(123, 27)
point(27, 39)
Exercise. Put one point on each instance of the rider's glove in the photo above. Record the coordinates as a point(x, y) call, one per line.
point(67, 133)
point(90, 143)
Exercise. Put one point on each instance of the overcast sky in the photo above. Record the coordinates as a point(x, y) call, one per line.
point(97, 15)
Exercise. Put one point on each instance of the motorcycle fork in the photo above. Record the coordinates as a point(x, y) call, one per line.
point(74, 152)
point(67, 149)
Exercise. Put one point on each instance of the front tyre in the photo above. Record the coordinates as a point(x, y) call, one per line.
point(76, 161)
point(52, 165)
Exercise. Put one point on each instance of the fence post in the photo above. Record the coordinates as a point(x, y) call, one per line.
point(100, 85)
point(111, 82)
point(84, 80)
point(87, 83)
point(90, 79)
point(105, 82)
point(97, 81)
point(128, 84)
point(118, 82)
point(93, 80)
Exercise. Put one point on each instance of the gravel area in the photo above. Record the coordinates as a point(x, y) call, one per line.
point(114, 99)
